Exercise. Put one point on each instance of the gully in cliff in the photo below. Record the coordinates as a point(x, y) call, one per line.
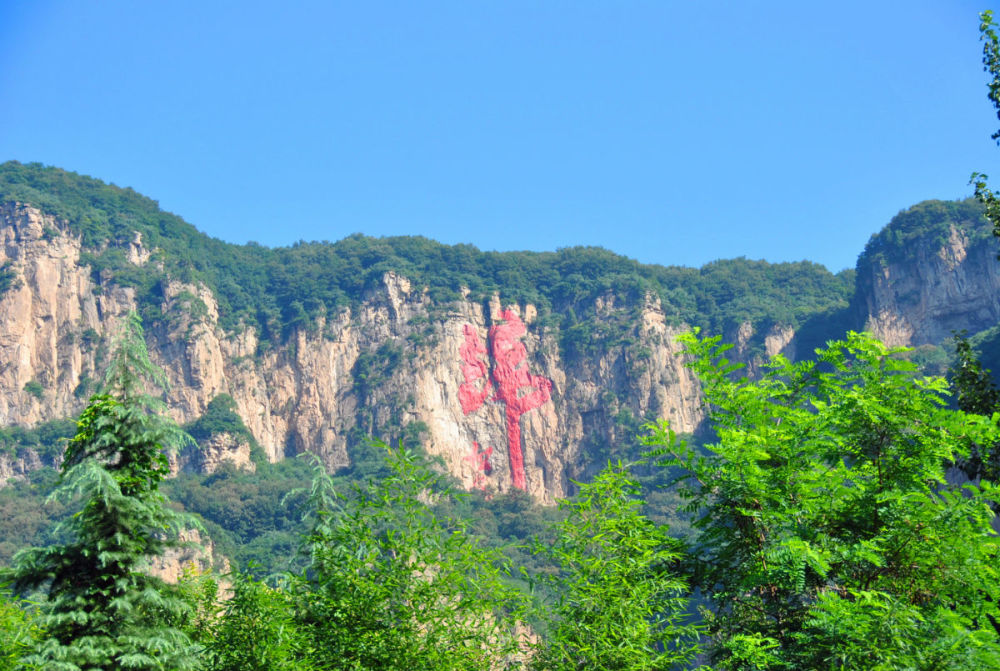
point(509, 376)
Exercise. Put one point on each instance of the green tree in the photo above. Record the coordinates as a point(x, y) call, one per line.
point(974, 391)
point(829, 536)
point(18, 633)
point(257, 631)
point(392, 586)
point(991, 64)
point(620, 603)
point(102, 611)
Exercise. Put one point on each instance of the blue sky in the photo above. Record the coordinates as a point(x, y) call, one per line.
point(672, 132)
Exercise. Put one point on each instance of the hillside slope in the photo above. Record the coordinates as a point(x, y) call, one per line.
point(519, 370)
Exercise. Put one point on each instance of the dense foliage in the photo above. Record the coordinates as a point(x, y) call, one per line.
point(392, 585)
point(974, 392)
point(102, 609)
point(47, 439)
point(19, 633)
point(619, 603)
point(827, 540)
point(282, 289)
point(829, 536)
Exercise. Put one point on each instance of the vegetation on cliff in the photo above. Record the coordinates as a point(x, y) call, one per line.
point(278, 290)
point(926, 225)
point(827, 539)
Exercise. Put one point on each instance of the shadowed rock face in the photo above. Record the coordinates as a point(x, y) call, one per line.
point(939, 288)
point(536, 413)
point(933, 269)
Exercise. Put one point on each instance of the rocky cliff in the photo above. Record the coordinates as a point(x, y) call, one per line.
point(931, 271)
point(52, 319)
point(518, 370)
point(482, 385)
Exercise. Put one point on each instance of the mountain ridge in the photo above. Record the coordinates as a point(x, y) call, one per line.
point(321, 344)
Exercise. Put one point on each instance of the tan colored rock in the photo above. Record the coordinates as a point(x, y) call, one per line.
point(302, 396)
point(137, 254)
point(195, 555)
point(780, 340)
point(17, 467)
point(208, 455)
point(953, 287)
point(51, 320)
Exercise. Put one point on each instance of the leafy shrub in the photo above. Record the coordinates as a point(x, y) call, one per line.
point(35, 389)
point(220, 416)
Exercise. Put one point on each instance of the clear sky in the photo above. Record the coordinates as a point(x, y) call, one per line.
point(674, 132)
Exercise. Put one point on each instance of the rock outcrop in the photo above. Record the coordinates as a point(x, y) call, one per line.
point(195, 556)
point(489, 387)
point(390, 366)
point(211, 453)
point(53, 319)
point(17, 467)
point(936, 280)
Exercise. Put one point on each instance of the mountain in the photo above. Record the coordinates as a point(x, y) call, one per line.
point(932, 270)
point(517, 370)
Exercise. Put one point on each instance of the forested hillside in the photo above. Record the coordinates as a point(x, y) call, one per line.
point(509, 381)
point(588, 303)
point(807, 559)
point(315, 346)
point(279, 290)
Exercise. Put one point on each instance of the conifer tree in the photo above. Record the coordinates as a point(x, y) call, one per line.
point(101, 610)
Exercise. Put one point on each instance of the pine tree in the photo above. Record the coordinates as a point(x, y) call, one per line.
point(102, 611)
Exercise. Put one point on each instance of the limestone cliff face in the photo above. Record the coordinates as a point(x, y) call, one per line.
point(572, 403)
point(18, 466)
point(936, 288)
point(754, 348)
point(396, 363)
point(211, 453)
point(53, 319)
point(490, 388)
point(196, 556)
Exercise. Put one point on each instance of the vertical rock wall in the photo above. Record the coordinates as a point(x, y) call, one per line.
point(529, 429)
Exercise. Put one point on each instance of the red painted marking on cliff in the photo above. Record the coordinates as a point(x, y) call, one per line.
point(480, 461)
point(508, 378)
point(472, 394)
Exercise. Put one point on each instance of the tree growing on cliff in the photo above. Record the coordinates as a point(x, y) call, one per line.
point(102, 610)
point(830, 538)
